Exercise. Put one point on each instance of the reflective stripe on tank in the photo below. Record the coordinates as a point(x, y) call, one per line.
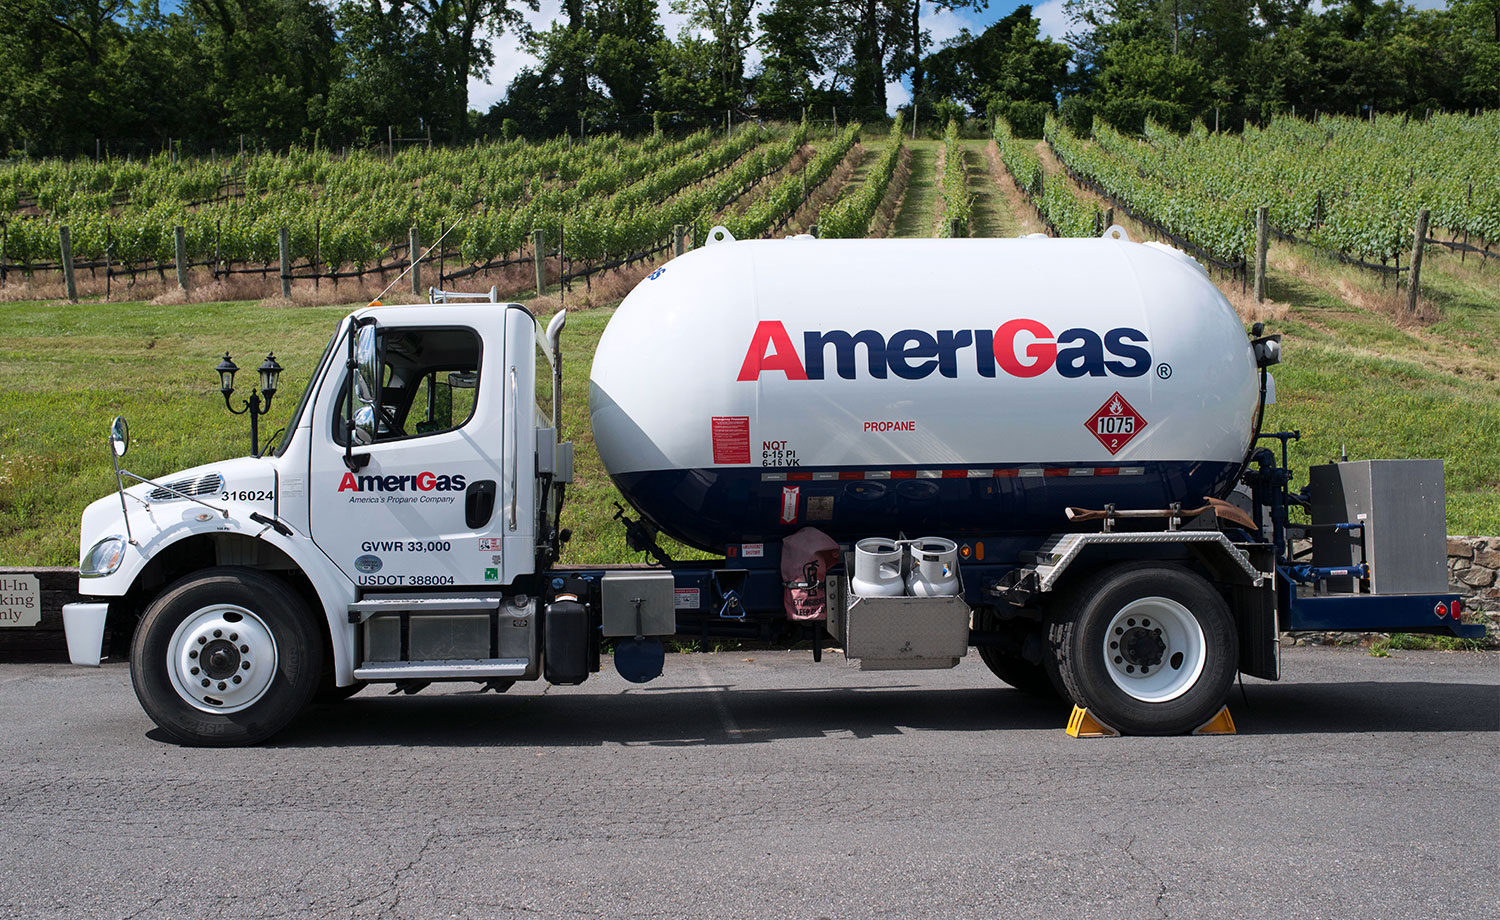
point(1012, 472)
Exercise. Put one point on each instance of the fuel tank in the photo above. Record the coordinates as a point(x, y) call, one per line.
point(954, 387)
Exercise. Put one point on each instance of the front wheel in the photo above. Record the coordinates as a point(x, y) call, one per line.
point(225, 657)
point(1149, 649)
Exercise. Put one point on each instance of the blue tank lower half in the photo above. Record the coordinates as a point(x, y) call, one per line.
point(715, 508)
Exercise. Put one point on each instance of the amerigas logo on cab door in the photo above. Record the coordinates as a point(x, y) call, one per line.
point(390, 488)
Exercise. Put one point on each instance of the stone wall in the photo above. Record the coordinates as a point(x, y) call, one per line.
point(1473, 570)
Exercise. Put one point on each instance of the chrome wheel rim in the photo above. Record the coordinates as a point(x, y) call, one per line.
point(1154, 649)
point(222, 659)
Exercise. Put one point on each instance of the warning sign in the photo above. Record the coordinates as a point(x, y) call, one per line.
point(1115, 423)
point(731, 436)
point(789, 504)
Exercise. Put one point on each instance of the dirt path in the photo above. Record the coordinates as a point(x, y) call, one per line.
point(994, 214)
point(918, 212)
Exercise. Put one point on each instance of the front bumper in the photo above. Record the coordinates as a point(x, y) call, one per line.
point(83, 624)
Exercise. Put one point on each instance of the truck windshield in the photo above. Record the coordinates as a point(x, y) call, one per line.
point(291, 426)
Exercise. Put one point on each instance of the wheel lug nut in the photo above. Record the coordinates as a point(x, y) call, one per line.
point(245, 648)
point(1145, 670)
point(245, 665)
point(1118, 659)
point(1143, 623)
point(205, 681)
point(1114, 645)
point(219, 633)
point(202, 640)
point(1118, 632)
point(1129, 622)
point(237, 678)
point(193, 653)
point(1129, 669)
point(235, 637)
point(222, 685)
point(194, 672)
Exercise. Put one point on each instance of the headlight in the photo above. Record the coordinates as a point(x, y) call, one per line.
point(104, 558)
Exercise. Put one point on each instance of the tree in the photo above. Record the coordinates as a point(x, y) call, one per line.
point(459, 32)
point(919, 35)
point(729, 24)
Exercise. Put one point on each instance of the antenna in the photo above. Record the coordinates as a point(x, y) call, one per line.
point(417, 261)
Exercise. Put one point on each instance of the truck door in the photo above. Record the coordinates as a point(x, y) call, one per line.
point(427, 509)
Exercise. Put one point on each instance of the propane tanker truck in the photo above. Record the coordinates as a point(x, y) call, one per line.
point(1046, 450)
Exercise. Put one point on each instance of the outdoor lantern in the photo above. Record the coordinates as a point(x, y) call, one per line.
point(259, 402)
point(226, 371)
point(269, 371)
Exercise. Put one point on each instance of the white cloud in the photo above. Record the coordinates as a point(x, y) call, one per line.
point(896, 95)
point(1055, 22)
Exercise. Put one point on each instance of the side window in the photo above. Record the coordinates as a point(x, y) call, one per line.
point(429, 383)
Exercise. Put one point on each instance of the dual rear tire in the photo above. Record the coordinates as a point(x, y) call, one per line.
point(1149, 649)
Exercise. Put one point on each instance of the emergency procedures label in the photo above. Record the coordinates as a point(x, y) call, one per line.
point(731, 437)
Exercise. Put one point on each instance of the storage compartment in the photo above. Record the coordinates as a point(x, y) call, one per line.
point(507, 631)
point(900, 633)
point(638, 604)
point(1402, 505)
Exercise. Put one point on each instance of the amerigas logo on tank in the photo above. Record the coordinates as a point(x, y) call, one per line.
point(1019, 347)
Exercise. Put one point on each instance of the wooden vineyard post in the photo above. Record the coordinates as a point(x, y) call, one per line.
point(1418, 239)
point(539, 259)
point(955, 228)
point(285, 238)
point(1260, 254)
point(65, 244)
point(413, 250)
point(179, 247)
point(4, 238)
point(1109, 218)
point(679, 244)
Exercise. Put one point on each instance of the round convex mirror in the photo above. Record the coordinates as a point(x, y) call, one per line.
point(119, 436)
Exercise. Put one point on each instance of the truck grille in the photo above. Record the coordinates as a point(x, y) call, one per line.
point(192, 486)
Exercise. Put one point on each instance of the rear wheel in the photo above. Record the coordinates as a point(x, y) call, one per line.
point(225, 657)
point(1149, 649)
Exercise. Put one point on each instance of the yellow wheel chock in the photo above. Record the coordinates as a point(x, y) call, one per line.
point(1083, 724)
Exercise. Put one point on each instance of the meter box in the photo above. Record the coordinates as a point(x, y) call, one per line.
point(1402, 507)
point(638, 604)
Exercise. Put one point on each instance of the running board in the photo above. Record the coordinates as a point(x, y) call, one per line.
point(362, 610)
point(462, 669)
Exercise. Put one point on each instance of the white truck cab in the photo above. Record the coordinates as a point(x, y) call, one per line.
point(414, 476)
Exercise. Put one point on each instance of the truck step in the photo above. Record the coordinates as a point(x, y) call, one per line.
point(468, 669)
point(362, 610)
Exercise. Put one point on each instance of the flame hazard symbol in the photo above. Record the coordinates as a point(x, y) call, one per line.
point(1115, 423)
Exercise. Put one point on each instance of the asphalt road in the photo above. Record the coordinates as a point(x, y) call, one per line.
point(762, 785)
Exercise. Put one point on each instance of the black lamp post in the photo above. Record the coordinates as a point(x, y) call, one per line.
point(269, 372)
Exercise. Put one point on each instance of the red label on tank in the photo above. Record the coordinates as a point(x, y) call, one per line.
point(1115, 423)
point(731, 438)
point(789, 496)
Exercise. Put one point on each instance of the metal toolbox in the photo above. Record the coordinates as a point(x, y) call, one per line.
point(899, 633)
point(1401, 504)
point(638, 604)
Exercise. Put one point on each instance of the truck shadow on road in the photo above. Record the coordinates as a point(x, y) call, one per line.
point(690, 716)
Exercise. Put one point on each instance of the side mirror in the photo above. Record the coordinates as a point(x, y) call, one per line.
point(119, 437)
point(364, 425)
point(367, 360)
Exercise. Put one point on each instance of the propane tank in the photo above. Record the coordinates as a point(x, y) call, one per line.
point(966, 387)
point(934, 568)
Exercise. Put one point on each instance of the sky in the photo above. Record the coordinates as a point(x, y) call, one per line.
point(510, 57)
